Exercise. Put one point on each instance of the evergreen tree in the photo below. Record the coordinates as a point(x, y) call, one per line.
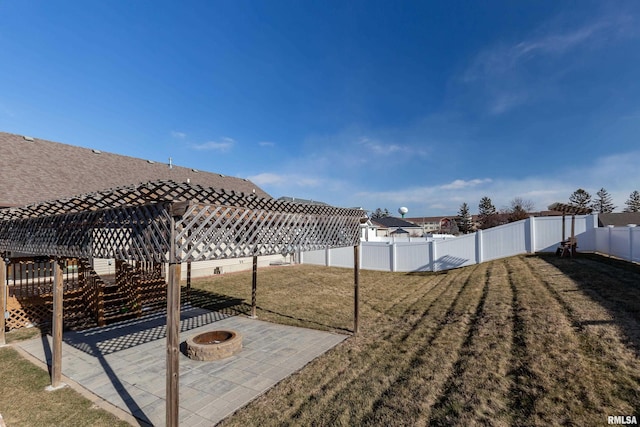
point(580, 198)
point(379, 213)
point(487, 214)
point(633, 202)
point(464, 220)
point(603, 203)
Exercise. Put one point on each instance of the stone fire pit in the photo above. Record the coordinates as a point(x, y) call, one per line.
point(214, 345)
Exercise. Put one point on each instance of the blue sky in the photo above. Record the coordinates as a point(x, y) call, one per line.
point(356, 103)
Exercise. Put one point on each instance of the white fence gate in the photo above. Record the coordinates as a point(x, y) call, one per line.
point(535, 234)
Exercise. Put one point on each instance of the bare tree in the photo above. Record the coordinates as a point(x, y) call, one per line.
point(518, 209)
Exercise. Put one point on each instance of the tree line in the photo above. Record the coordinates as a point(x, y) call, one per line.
point(489, 216)
point(519, 208)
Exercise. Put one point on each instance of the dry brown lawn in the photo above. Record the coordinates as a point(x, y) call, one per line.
point(531, 340)
point(526, 341)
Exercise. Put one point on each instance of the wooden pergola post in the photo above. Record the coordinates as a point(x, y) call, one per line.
point(356, 284)
point(56, 329)
point(188, 293)
point(3, 298)
point(254, 286)
point(176, 210)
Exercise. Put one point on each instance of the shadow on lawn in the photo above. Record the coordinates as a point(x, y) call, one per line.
point(211, 301)
point(612, 283)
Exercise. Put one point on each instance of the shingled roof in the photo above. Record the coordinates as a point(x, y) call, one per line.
point(35, 170)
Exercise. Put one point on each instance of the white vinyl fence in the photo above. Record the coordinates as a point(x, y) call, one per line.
point(535, 234)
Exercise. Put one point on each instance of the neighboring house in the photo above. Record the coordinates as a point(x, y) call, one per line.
point(444, 224)
point(621, 219)
point(35, 170)
point(435, 224)
point(387, 226)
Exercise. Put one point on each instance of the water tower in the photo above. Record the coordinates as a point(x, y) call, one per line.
point(402, 211)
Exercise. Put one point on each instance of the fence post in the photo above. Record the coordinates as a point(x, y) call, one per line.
point(610, 227)
point(327, 256)
point(532, 234)
point(631, 227)
point(432, 255)
point(392, 247)
point(479, 247)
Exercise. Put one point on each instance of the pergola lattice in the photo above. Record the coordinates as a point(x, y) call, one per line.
point(134, 223)
point(170, 222)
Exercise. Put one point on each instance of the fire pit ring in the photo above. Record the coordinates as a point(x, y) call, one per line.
point(214, 345)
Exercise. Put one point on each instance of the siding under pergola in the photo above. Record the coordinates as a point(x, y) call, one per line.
point(169, 222)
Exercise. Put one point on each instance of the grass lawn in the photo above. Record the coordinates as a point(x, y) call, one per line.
point(25, 402)
point(529, 340)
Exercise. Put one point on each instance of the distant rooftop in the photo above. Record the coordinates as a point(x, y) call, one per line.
point(620, 219)
point(391, 221)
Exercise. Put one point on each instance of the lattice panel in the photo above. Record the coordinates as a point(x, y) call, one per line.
point(37, 310)
point(163, 191)
point(570, 209)
point(216, 232)
point(139, 233)
point(133, 223)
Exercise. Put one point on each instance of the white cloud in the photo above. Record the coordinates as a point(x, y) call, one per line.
point(266, 144)
point(284, 180)
point(380, 148)
point(267, 179)
point(459, 184)
point(178, 135)
point(224, 144)
point(617, 173)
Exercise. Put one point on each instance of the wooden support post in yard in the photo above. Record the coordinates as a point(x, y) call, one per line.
point(188, 280)
point(56, 328)
point(188, 293)
point(254, 287)
point(3, 298)
point(173, 344)
point(356, 284)
point(176, 210)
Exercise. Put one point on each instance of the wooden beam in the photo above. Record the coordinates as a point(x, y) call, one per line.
point(173, 333)
point(56, 330)
point(188, 280)
point(254, 287)
point(3, 298)
point(356, 285)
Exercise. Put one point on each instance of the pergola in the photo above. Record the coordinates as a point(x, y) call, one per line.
point(569, 245)
point(174, 223)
